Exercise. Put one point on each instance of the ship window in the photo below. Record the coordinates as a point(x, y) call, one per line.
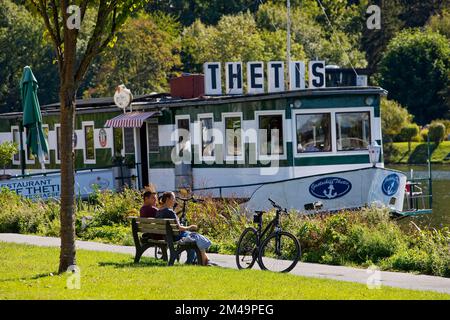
point(58, 143)
point(206, 124)
point(118, 141)
point(30, 159)
point(183, 133)
point(233, 136)
point(46, 129)
point(153, 135)
point(352, 131)
point(16, 139)
point(128, 138)
point(271, 135)
point(313, 132)
point(89, 147)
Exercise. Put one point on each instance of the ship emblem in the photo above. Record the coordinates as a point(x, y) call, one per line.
point(390, 184)
point(330, 188)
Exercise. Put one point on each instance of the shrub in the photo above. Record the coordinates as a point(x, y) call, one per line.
point(109, 234)
point(350, 237)
point(7, 150)
point(436, 132)
point(408, 132)
point(424, 134)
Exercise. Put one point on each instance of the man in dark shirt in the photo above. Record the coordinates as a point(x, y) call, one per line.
point(149, 209)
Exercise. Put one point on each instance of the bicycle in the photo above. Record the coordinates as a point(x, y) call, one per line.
point(183, 220)
point(273, 249)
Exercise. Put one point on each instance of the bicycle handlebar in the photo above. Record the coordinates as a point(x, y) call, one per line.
point(194, 200)
point(278, 207)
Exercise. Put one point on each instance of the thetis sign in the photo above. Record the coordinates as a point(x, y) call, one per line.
point(256, 73)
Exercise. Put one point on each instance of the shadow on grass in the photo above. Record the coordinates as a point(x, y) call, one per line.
point(420, 153)
point(35, 277)
point(145, 262)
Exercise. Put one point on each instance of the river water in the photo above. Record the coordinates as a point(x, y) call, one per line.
point(441, 194)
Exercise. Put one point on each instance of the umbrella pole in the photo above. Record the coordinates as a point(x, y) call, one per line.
point(22, 150)
point(41, 156)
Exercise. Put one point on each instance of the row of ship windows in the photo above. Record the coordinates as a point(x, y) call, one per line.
point(88, 150)
point(315, 132)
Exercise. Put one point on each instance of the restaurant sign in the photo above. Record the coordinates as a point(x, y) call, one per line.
point(49, 186)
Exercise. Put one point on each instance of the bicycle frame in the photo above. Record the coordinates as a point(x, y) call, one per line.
point(273, 225)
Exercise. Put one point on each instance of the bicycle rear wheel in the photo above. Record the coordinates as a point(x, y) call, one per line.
point(279, 252)
point(246, 252)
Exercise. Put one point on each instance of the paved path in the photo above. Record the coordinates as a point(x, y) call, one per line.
point(392, 279)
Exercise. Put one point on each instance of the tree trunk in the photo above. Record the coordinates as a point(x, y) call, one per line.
point(67, 213)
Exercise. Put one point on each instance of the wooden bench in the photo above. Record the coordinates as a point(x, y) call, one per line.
point(169, 230)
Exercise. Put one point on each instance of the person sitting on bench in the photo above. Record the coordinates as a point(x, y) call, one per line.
point(149, 209)
point(166, 212)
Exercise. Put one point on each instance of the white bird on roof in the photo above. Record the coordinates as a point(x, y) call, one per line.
point(123, 97)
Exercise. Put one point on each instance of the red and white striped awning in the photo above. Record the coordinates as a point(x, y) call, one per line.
point(129, 120)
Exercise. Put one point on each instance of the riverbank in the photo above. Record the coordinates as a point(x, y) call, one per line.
point(108, 272)
point(397, 153)
point(349, 238)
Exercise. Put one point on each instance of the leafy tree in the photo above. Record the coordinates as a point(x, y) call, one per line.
point(409, 132)
point(436, 132)
point(315, 36)
point(7, 150)
point(393, 118)
point(441, 23)
point(415, 72)
point(375, 41)
point(144, 58)
point(445, 122)
point(396, 15)
point(207, 11)
point(72, 67)
point(416, 13)
point(235, 38)
point(23, 38)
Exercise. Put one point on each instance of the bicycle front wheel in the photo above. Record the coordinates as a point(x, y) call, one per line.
point(279, 252)
point(246, 252)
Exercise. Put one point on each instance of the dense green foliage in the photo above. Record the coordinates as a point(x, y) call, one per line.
point(415, 72)
point(171, 37)
point(23, 43)
point(144, 57)
point(436, 132)
point(27, 272)
point(348, 238)
point(393, 118)
point(7, 150)
point(409, 132)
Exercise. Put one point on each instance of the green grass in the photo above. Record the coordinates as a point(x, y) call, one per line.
point(25, 274)
point(397, 152)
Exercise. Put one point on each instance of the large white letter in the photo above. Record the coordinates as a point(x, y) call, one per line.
point(255, 77)
point(275, 75)
point(233, 71)
point(296, 75)
point(316, 74)
point(213, 79)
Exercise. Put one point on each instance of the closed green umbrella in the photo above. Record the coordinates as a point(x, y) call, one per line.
point(32, 118)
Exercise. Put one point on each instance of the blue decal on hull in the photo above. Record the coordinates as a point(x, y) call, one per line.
point(390, 184)
point(330, 188)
